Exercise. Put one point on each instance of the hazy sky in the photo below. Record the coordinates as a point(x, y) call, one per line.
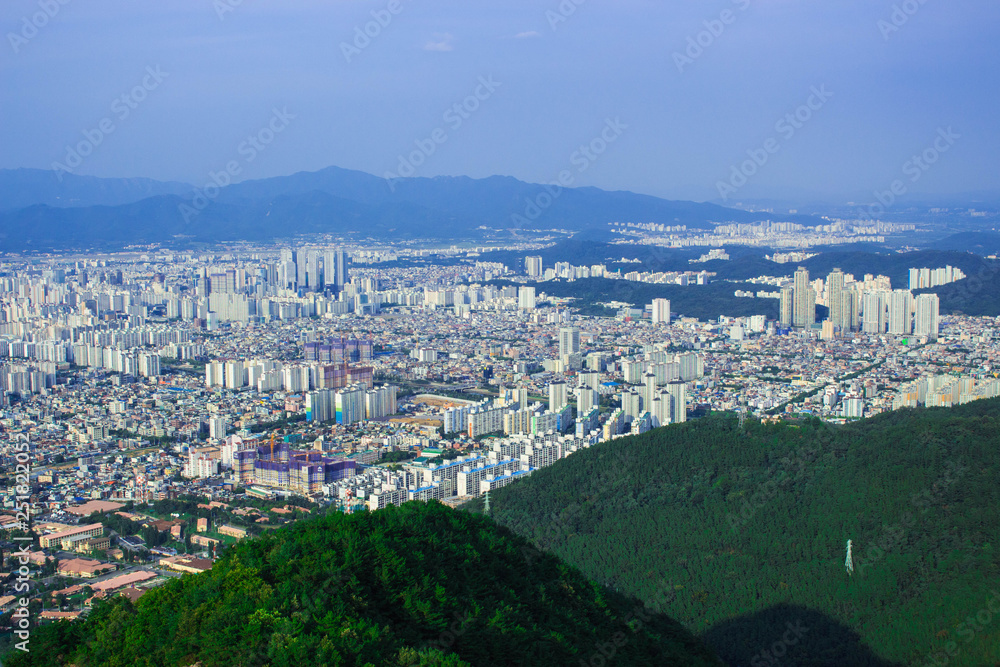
point(682, 115)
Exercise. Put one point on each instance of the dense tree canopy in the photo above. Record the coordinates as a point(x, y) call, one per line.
point(714, 525)
point(415, 585)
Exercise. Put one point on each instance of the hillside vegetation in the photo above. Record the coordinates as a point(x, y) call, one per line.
point(415, 585)
point(739, 533)
point(705, 302)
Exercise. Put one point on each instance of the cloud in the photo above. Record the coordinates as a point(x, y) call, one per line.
point(527, 34)
point(441, 42)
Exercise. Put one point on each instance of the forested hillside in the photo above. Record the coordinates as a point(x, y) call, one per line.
point(741, 534)
point(705, 302)
point(416, 585)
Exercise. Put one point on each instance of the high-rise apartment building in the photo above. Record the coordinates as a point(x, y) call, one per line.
point(526, 298)
point(927, 320)
point(350, 405)
point(678, 390)
point(342, 275)
point(874, 313)
point(787, 306)
point(661, 311)
point(587, 399)
point(662, 409)
point(533, 266)
point(335, 271)
point(649, 391)
point(835, 300)
point(330, 270)
point(804, 312)
point(557, 396)
point(900, 308)
point(302, 258)
point(850, 309)
point(569, 341)
point(692, 366)
point(631, 405)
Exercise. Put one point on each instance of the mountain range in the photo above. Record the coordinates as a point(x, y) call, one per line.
point(40, 210)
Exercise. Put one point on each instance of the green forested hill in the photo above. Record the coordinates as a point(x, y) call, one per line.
point(741, 535)
point(416, 585)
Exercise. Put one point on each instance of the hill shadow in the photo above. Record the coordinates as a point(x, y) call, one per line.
point(790, 636)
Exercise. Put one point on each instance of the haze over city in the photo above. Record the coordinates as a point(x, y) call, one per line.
point(694, 101)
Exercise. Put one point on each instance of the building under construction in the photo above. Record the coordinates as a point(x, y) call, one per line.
point(337, 351)
point(340, 376)
point(305, 472)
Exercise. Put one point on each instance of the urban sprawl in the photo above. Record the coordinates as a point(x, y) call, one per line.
point(159, 405)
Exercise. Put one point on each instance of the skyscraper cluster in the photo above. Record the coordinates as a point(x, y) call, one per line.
point(924, 278)
point(899, 313)
point(853, 306)
point(798, 302)
point(311, 269)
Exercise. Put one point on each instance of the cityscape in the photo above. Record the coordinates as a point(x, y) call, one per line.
point(579, 379)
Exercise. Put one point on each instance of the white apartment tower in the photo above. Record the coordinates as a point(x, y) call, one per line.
point(927, 320)
point(900, 307)
point(661, 311)
point(569, 341)
point(526, 298)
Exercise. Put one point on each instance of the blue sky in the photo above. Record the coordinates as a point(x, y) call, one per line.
point(560, 72)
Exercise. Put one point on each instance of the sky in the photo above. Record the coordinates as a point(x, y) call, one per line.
point(718, 100)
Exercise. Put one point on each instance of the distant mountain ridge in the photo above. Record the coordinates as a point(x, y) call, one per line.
point(23, 188)
point(40, 211)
